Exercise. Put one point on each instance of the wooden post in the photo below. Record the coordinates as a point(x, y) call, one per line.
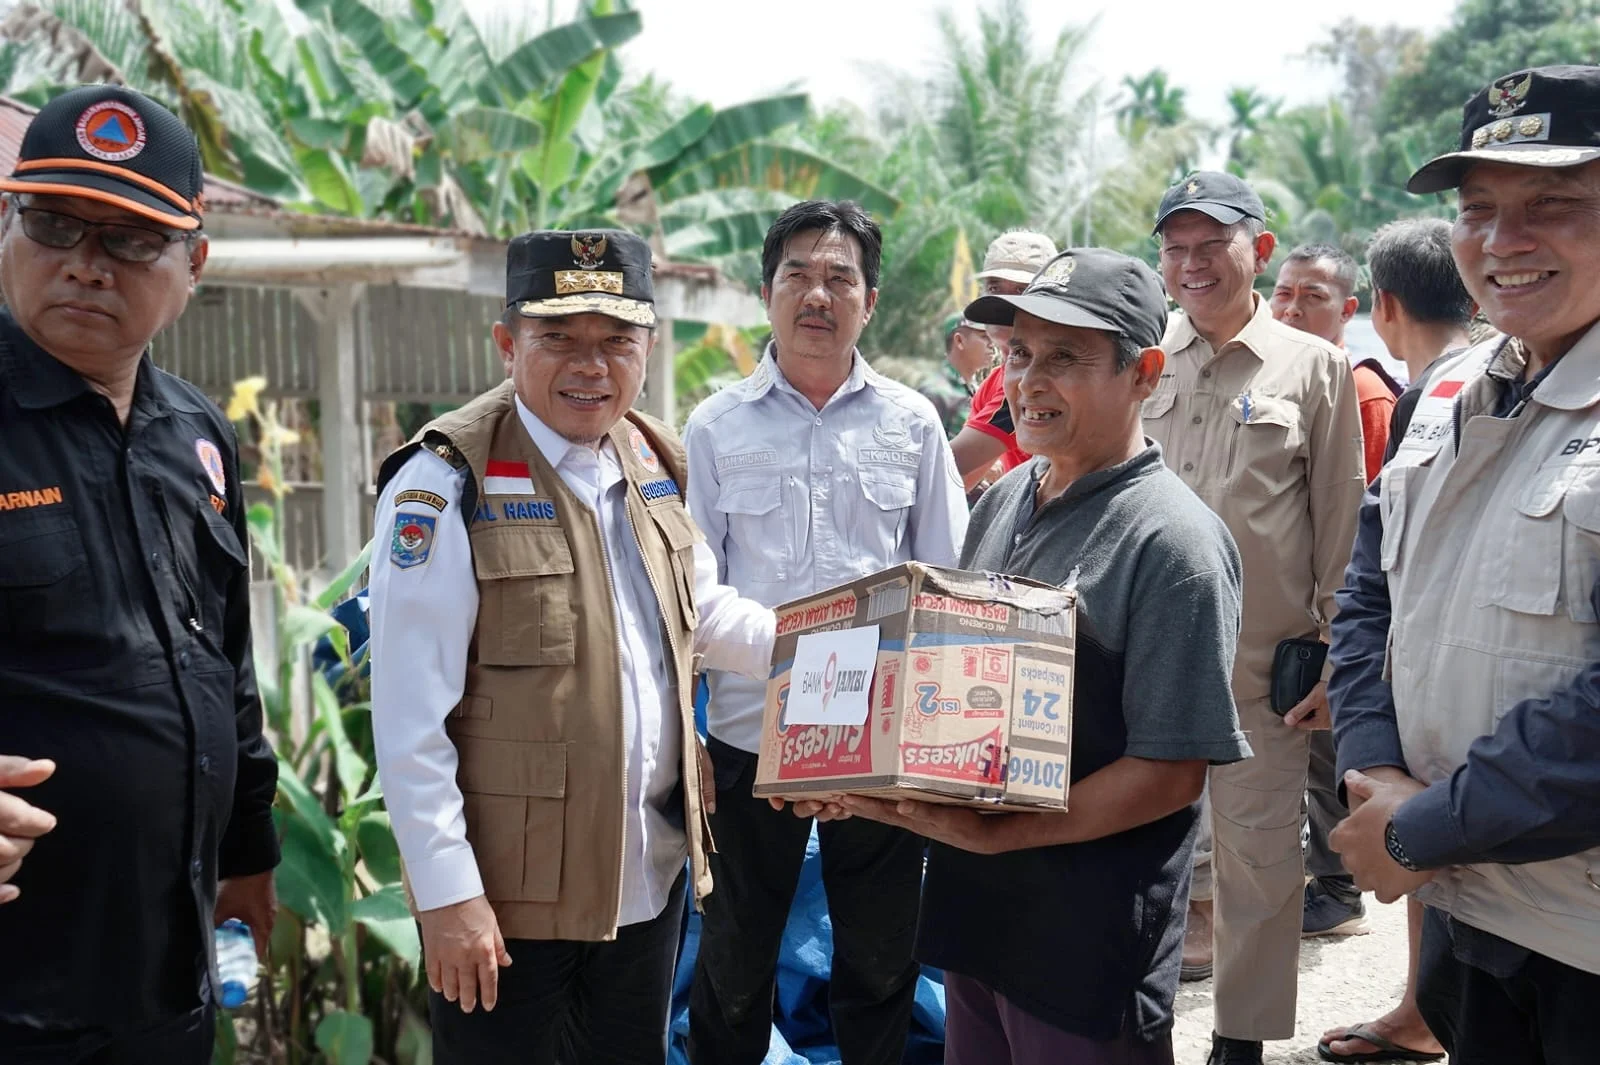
point(661, 395)
point(344, 464)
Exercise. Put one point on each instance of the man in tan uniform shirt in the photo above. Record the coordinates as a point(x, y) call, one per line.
point(1261, 421)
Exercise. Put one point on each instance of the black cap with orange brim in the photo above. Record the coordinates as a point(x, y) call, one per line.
point(117, 146)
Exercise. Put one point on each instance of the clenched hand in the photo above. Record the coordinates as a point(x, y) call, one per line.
point(20, 822)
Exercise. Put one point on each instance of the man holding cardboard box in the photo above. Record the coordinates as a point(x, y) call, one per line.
point(813, 471)
point(1061, 933)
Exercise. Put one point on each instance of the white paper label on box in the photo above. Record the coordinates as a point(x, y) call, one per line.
point(832, 677)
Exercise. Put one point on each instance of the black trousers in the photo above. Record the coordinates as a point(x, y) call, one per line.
point(873, 877)
point(572, 1003)
point(1540, 1012)
point(183, 1040)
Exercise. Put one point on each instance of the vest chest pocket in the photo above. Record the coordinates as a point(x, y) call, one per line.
point(681, 534)
point(1529, 576)
point(514, 795)
point(1580, 550)
point(887, 498)
point(525, 613)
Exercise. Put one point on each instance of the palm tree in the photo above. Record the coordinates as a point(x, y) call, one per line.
point(1152, 103)
point(990, 141)
point(1248, 111)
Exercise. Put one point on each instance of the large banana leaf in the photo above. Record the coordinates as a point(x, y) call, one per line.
point(723, 235)
point(319, 61)
point(536, 63)
point(733, 128)
point(364, 28)
point(792, 170)
point(676, 139)
point(479, 133)
point(330, 181)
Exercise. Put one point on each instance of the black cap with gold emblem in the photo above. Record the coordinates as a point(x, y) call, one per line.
point(117, 146)
point(1213, 193)
point(1545, 116)
point(553, 273)
point(1092, 288)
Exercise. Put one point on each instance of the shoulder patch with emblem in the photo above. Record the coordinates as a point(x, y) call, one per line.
point(412, 539)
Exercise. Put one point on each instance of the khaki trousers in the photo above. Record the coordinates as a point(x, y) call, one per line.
point(1259, 878)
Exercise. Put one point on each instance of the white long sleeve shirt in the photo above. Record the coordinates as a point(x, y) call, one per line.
point(423, 615)
point(795, 500)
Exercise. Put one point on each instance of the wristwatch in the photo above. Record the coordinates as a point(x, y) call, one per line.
point(1391, 842)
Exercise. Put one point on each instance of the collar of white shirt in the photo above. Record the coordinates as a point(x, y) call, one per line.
point(569, 459)
point(768, 376)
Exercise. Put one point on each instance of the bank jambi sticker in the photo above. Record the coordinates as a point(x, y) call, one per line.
point(641, 448)
point(211, 461)
point(111, 131)
point(412, 539)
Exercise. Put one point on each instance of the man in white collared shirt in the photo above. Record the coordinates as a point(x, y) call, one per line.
point(532, 632)
point(810, 473)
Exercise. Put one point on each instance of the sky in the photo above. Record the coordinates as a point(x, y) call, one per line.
point(726, 51)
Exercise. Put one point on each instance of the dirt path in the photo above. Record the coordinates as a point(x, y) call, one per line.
point(1343, 980)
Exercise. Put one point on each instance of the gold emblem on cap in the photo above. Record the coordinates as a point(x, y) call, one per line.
point(1058, 272)
point(588, 249)
point(1501, 130)
point(1531, 126)
point(1192, 188)
point(1508, 94)
point(570, 281)
point(1480, 136)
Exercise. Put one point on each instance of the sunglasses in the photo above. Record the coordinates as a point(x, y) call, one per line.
point(129, 244)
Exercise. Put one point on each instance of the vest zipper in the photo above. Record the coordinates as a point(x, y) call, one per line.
point(192, 604)
point(672, 643)
point(616, 625)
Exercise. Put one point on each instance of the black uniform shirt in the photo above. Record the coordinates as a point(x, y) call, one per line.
point(125, 657)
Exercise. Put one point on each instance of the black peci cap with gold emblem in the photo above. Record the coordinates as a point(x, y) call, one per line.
point(553, 273)
point(1544, 116)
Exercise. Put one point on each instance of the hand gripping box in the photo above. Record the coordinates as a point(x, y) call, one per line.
point(970, 700)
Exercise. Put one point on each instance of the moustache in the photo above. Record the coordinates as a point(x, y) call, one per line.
point(815, 316)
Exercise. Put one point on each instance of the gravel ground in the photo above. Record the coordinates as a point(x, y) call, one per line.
point(1343, 980)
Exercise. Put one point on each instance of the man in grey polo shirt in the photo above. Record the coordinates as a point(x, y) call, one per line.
point(1061, 934)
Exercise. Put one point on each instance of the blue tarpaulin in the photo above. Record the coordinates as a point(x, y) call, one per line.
point(801, 1032)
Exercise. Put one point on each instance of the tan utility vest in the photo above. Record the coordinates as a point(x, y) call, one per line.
point(539, 728)
point(1491, 545)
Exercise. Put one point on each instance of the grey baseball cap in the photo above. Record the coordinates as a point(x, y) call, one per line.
point(1093, 288)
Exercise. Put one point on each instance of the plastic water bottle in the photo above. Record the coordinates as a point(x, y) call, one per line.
point(236, 962)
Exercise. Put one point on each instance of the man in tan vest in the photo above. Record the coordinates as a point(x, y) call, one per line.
point(534, 626)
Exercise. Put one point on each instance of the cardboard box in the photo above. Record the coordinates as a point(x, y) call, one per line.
point(970, 699)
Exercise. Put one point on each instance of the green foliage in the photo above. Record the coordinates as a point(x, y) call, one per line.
point(1485, 39)
point(340, 982)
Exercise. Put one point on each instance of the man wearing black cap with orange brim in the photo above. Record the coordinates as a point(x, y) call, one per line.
point(538, 604)
point(1466, 683)
point(124, 604)
point(1061, 934)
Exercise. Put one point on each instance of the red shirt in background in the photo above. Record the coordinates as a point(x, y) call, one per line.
point(991, 416)
point(1375, 394)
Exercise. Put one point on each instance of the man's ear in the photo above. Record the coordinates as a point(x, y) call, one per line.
point(503, 341)
point(766, 296)
point(1147, 371)
point(872, 302)
point(1265, 244)
point(1351, 305)
point(197, 261)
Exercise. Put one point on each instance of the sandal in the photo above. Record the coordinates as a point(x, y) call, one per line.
point(1387, 1051)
